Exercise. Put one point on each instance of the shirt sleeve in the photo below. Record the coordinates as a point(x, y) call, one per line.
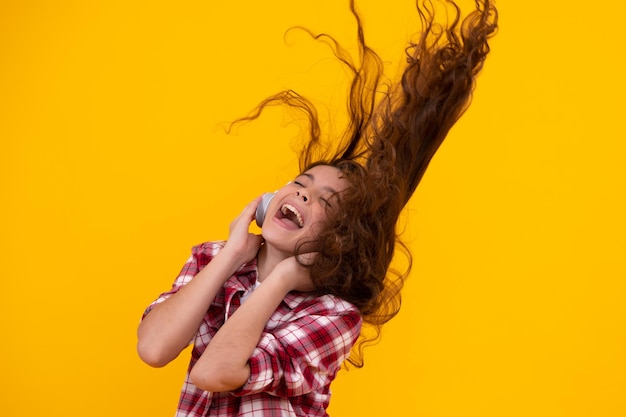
point(201, 255)
point(301, 356)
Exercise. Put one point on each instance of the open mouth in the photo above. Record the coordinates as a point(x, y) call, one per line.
point(292, 214)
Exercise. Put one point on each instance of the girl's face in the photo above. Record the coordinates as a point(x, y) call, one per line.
point(299, 209)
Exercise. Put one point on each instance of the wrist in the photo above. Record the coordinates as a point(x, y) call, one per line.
point(229, 253)
point(279, 281)
point(231, 256)
point(223, 265)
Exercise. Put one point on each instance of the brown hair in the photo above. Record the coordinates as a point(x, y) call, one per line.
point(393, 133)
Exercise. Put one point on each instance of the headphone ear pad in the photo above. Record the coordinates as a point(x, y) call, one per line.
point(261, 210)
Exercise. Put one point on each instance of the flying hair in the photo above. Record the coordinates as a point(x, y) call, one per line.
point(393, 132)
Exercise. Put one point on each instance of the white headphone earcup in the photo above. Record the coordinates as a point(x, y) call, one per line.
point(261, 210)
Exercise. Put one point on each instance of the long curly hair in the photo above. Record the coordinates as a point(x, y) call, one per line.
point(393, 132)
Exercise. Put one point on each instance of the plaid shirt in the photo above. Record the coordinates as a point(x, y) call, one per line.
point(298, 355)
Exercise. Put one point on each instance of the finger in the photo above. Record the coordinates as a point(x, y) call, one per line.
point(307, 258)
point(248, 212)
point(254, 203)
point(251, 206)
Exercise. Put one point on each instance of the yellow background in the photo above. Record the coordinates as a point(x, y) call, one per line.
point(114, 162)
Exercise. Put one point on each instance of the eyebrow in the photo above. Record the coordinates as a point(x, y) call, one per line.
point(312, 178)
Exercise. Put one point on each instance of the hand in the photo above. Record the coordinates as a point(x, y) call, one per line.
point(294, 276)
point(242, 244)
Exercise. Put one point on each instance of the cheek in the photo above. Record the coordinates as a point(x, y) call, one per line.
point(326, 213)
point(320, 219)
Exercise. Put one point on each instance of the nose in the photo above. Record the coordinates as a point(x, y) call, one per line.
point(304, 197)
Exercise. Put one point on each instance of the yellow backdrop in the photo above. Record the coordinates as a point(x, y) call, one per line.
point(114, 162)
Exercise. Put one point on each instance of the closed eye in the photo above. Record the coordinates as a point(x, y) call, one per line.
point(326, 199)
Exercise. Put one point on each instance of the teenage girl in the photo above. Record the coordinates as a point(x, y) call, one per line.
point(273, 317)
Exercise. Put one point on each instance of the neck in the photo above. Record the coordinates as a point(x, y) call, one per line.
point(267, 259)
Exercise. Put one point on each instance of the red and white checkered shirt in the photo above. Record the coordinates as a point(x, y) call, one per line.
point(298, 355)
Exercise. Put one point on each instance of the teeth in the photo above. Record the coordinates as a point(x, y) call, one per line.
point(289, 207)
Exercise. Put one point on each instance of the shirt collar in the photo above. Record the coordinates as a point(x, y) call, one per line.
point(295, 299)
point(246, 276)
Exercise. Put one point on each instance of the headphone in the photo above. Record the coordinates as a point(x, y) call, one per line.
point(261, 210)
